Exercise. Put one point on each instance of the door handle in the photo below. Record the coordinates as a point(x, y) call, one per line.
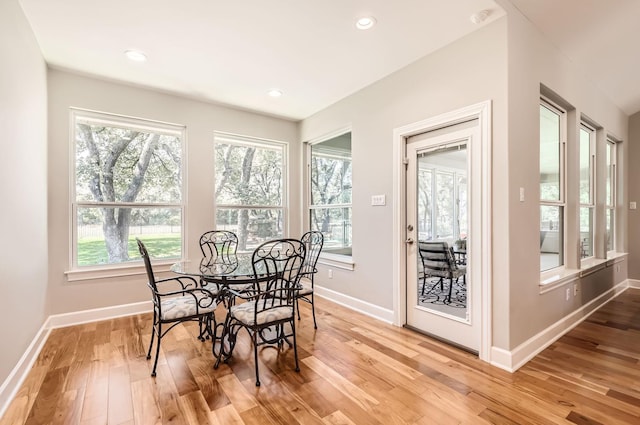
point(409, 241)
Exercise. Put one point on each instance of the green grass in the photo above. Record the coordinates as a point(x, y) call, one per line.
point(92, 251)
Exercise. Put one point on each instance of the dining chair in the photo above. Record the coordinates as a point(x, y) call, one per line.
point(217, 246)
point(218, 243)
point(270, 305)
point(313, 241)
point(176, 300)
point(438, 261)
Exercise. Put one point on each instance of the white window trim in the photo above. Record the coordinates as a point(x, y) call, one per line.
point(80, 273)
point(342, 261)
point(614, 195)
point(230, 138)
point(586, 261)
point(548, 275)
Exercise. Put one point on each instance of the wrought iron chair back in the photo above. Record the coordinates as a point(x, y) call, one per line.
point(218, 243)
point(270, 304)
point(313, 241)
point(176, 300)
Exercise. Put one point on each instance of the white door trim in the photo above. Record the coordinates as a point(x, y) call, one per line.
point(481, 111)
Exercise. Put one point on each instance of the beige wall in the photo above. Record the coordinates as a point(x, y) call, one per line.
point(534, 61)
point(23, 186)
point(634, 196)
point(201, 119)
point(466, 72)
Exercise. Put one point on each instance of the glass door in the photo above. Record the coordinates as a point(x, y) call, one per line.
point(441, 298)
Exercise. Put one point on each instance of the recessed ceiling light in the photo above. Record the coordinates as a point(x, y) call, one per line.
point(365, 22)
point(275, 93)
point(480, 17)
point(135, 55)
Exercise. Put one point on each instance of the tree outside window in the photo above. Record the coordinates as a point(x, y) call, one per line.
point(250, 188)
point(128, 183)
point(331, 190)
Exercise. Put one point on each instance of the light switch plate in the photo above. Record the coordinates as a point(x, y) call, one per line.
point(632, 205)
point(378, 200)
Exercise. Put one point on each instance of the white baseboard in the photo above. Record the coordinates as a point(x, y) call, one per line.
point(633, 283)
point(360, 306)
point(97, 314)
point(518, 357)
point(12, 384)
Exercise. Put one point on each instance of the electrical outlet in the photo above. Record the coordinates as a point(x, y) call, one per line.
point(617, 268)
point(330, 274)
point(575, 289)
point(568, 295)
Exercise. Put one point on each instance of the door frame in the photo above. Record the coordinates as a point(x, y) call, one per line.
point(482, 260)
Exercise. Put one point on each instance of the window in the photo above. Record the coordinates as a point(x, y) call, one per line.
point(330, 192)
point(128, 183)
point(552, 197)
point(586, 194)
point(611, 196)
point(446, 218)
point(250, 188)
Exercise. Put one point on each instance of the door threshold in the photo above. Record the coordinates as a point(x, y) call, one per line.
point(444, 340)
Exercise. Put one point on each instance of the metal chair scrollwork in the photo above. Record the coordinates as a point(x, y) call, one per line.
point(176, 300)
point(312, 241)
point(268, 310)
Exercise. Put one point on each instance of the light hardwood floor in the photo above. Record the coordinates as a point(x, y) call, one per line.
point(354, 370)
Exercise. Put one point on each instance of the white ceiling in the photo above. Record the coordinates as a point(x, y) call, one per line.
point(233, 52)
point(601, 36)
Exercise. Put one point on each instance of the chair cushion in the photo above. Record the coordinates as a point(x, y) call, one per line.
point(185, 306)
point(305, 287)
point(245, 312)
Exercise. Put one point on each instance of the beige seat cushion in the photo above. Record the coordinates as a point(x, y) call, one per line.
point(306, 288)
point(245, 312)
point(185, 306)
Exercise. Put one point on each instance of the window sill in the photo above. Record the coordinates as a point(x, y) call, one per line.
point(592, 265)
point(552, 279)
point(614, 257)
point(338, 261)
point(133, 269)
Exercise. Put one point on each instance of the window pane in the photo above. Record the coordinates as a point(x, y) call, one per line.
point(331, 171)
point(249, 174)
point(117, 164)
point(159, 228)
point(585, 166)
point(121, 166)
point(335, 225)
point(609, 229)
point(444, 206)
point(549, 154)
point(551, 237)
point(610, 177)
point(252, 226)
point(462, 207)
point(425, 204)
point(586, 232)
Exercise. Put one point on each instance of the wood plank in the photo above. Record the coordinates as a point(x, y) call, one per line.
point(354, 370)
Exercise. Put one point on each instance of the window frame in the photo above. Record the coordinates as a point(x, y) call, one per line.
point(561, 202)
point(612, 169)
point(77, 272)
point(455, 174)
point(242, 140)
point(343, 261)
point(591, 204)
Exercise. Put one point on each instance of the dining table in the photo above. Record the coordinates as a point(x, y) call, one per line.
point(229, 274)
